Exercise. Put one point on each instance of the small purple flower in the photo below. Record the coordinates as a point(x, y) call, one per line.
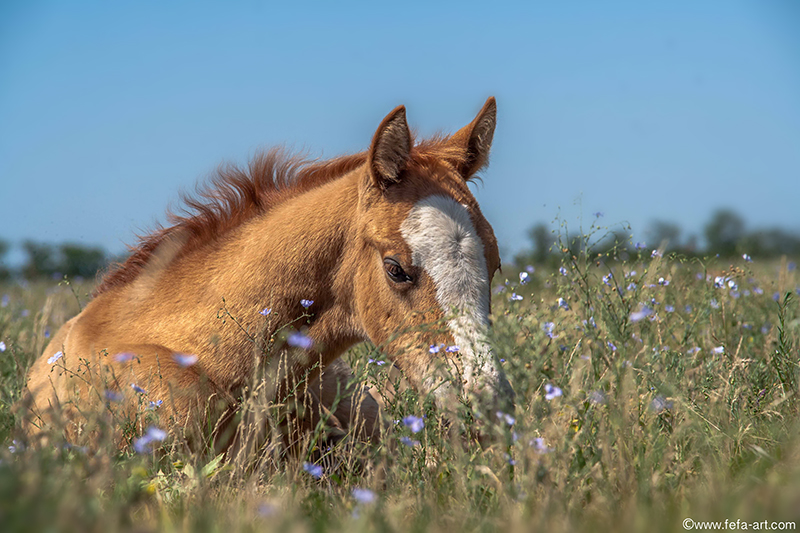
point(530, 269)
point(2, 346)
point(718, 350)
point(265, 311)
point(508, 419)
point(55, 357)
point(776, 296)
point(414, 423)
point(631, 286)
point(306, 303)
point(644, 312)
point(539, 445)
point(548, 328)
point(660, 403)
point(714, 303)
point(124, 357)
point(314, 470)
point(46, 333)
point(612, 346)
point(688, 308)
point(114, 396)
point(747, 258)
point(515, 297)
point(656, 253)
point(184, 359)
point(562, 270)
point(692, 351)
point(376, 362)
point(298, 340)
point(154, 405)
point(137, 388)
point(607, 279)
point(452, 349)
point(669, 308)
point(663, 282)
point(551, 391)
point(408, 441)
point(597, 214)
point(524, 277)
point(640, 245)
point(758, 290)
point(363, 496)
point(511, 461)
point(434, 348)
point(152, 435)
point(562, 303)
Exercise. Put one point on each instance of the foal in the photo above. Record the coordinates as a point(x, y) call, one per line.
point(374, 246)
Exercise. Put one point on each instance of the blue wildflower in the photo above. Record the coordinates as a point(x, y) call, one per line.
point(747, 258)
point(551, 391)
point(663, 282)
point(776, 296)
point(718, 350)
point(631, 286)
point(113, 396)
point(515, 297)
point(124, 357)
point(607, 279)
point(597, 214)
point(641, 313)
point(508, 419)
point(548, 328)
point(524, 277)
point(714, 303)
point(265, 311)
point(539, 445)
point(530, 269)
point(2, 346)
point(154, 404)
point(656, 253)
point(137, 388)
point(408, 441)
point(184, 359)
point(434, 348)
point(364, 496)
point(562, 303)
point(640, 246)
point(660, 403)
point(314, 470)
point(562, 270)
point(306, 303)
point(298, 340)
point(612, 346)
point(452, 349)
point(55, 357)
point(669, 308)
point(414, 423)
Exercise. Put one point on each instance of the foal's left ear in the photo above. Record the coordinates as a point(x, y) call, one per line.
point(390, 149)
point(476, 138)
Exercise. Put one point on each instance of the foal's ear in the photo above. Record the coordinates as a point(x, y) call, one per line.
point(476, 138)
point(390, 149)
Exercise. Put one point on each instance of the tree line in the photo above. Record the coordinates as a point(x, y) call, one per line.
point(55, 261)
point(726, 235)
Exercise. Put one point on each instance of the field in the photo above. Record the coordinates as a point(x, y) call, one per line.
point(649, 390)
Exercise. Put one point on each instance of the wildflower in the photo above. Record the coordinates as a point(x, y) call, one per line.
point(714, 303)
point(505, 417)
point(597, 397)
point(55, 357)
point(314, 470)
point(694, 350)
point(562, 303)
point(408, 441)
point(502, 360)
point(184, 359)
point(16, 446)
point(25, 313)
point(765, 328)
point(640, 246)
point(548, 329)
point(612, 346)
point(377, 362)
point(663, 282)
point(498, 289)
point(776, 296)
point(719, 350)
point(530, 269)
point(137, 388)
point(414, 423)
point(747, 258)
point(154, 405)
point(656, 253)
point(758, 290)
point(592, 322)
point(434, 348)
point(299, 340)
point(306, 303)
point(597, 214)
point(2, 346)
point(46, 333)
point(511, 461)
point(732, 285)
point(734, 294)
point(607, 279)
point(539, 445)
point(265, 311)
point(719, 282)
point(124, 357)
point(524, 277)
point(364, 496)
point(562, 270)
point(551, 391)
point(631, 286)
point(114, 396)
point(153, 434)
point(452, 349)
point(791, 266)
point(669, 308)
point(515, 297)
point(660, 403)
point(688, 308)
point(644, 312)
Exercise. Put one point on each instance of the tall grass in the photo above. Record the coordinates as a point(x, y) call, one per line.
point(649, 389)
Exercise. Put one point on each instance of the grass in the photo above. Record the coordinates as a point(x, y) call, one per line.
point(678, 384)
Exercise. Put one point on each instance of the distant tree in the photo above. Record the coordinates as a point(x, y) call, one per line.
point(724, 231)
point(661, 231)
point(77, 260)
point(5, 273)
point(41, 261)
point(542, 239)
point(771, 242)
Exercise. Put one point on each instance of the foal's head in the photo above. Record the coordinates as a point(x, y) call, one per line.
point(426, 256)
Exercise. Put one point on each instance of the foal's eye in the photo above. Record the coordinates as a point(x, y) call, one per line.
point(395, 271)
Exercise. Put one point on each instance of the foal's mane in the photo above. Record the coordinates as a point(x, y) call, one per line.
point(235, 195)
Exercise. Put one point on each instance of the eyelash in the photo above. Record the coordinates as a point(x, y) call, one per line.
point(395, 271)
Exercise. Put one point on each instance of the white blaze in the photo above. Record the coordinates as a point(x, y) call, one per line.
point(444, 243)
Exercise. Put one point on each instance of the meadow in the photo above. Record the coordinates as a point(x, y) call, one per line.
point(650, 388)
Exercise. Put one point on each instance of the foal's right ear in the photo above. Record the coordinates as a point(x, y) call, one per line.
point(390, 149)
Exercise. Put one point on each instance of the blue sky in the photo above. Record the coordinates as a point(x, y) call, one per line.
point(640, 110)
